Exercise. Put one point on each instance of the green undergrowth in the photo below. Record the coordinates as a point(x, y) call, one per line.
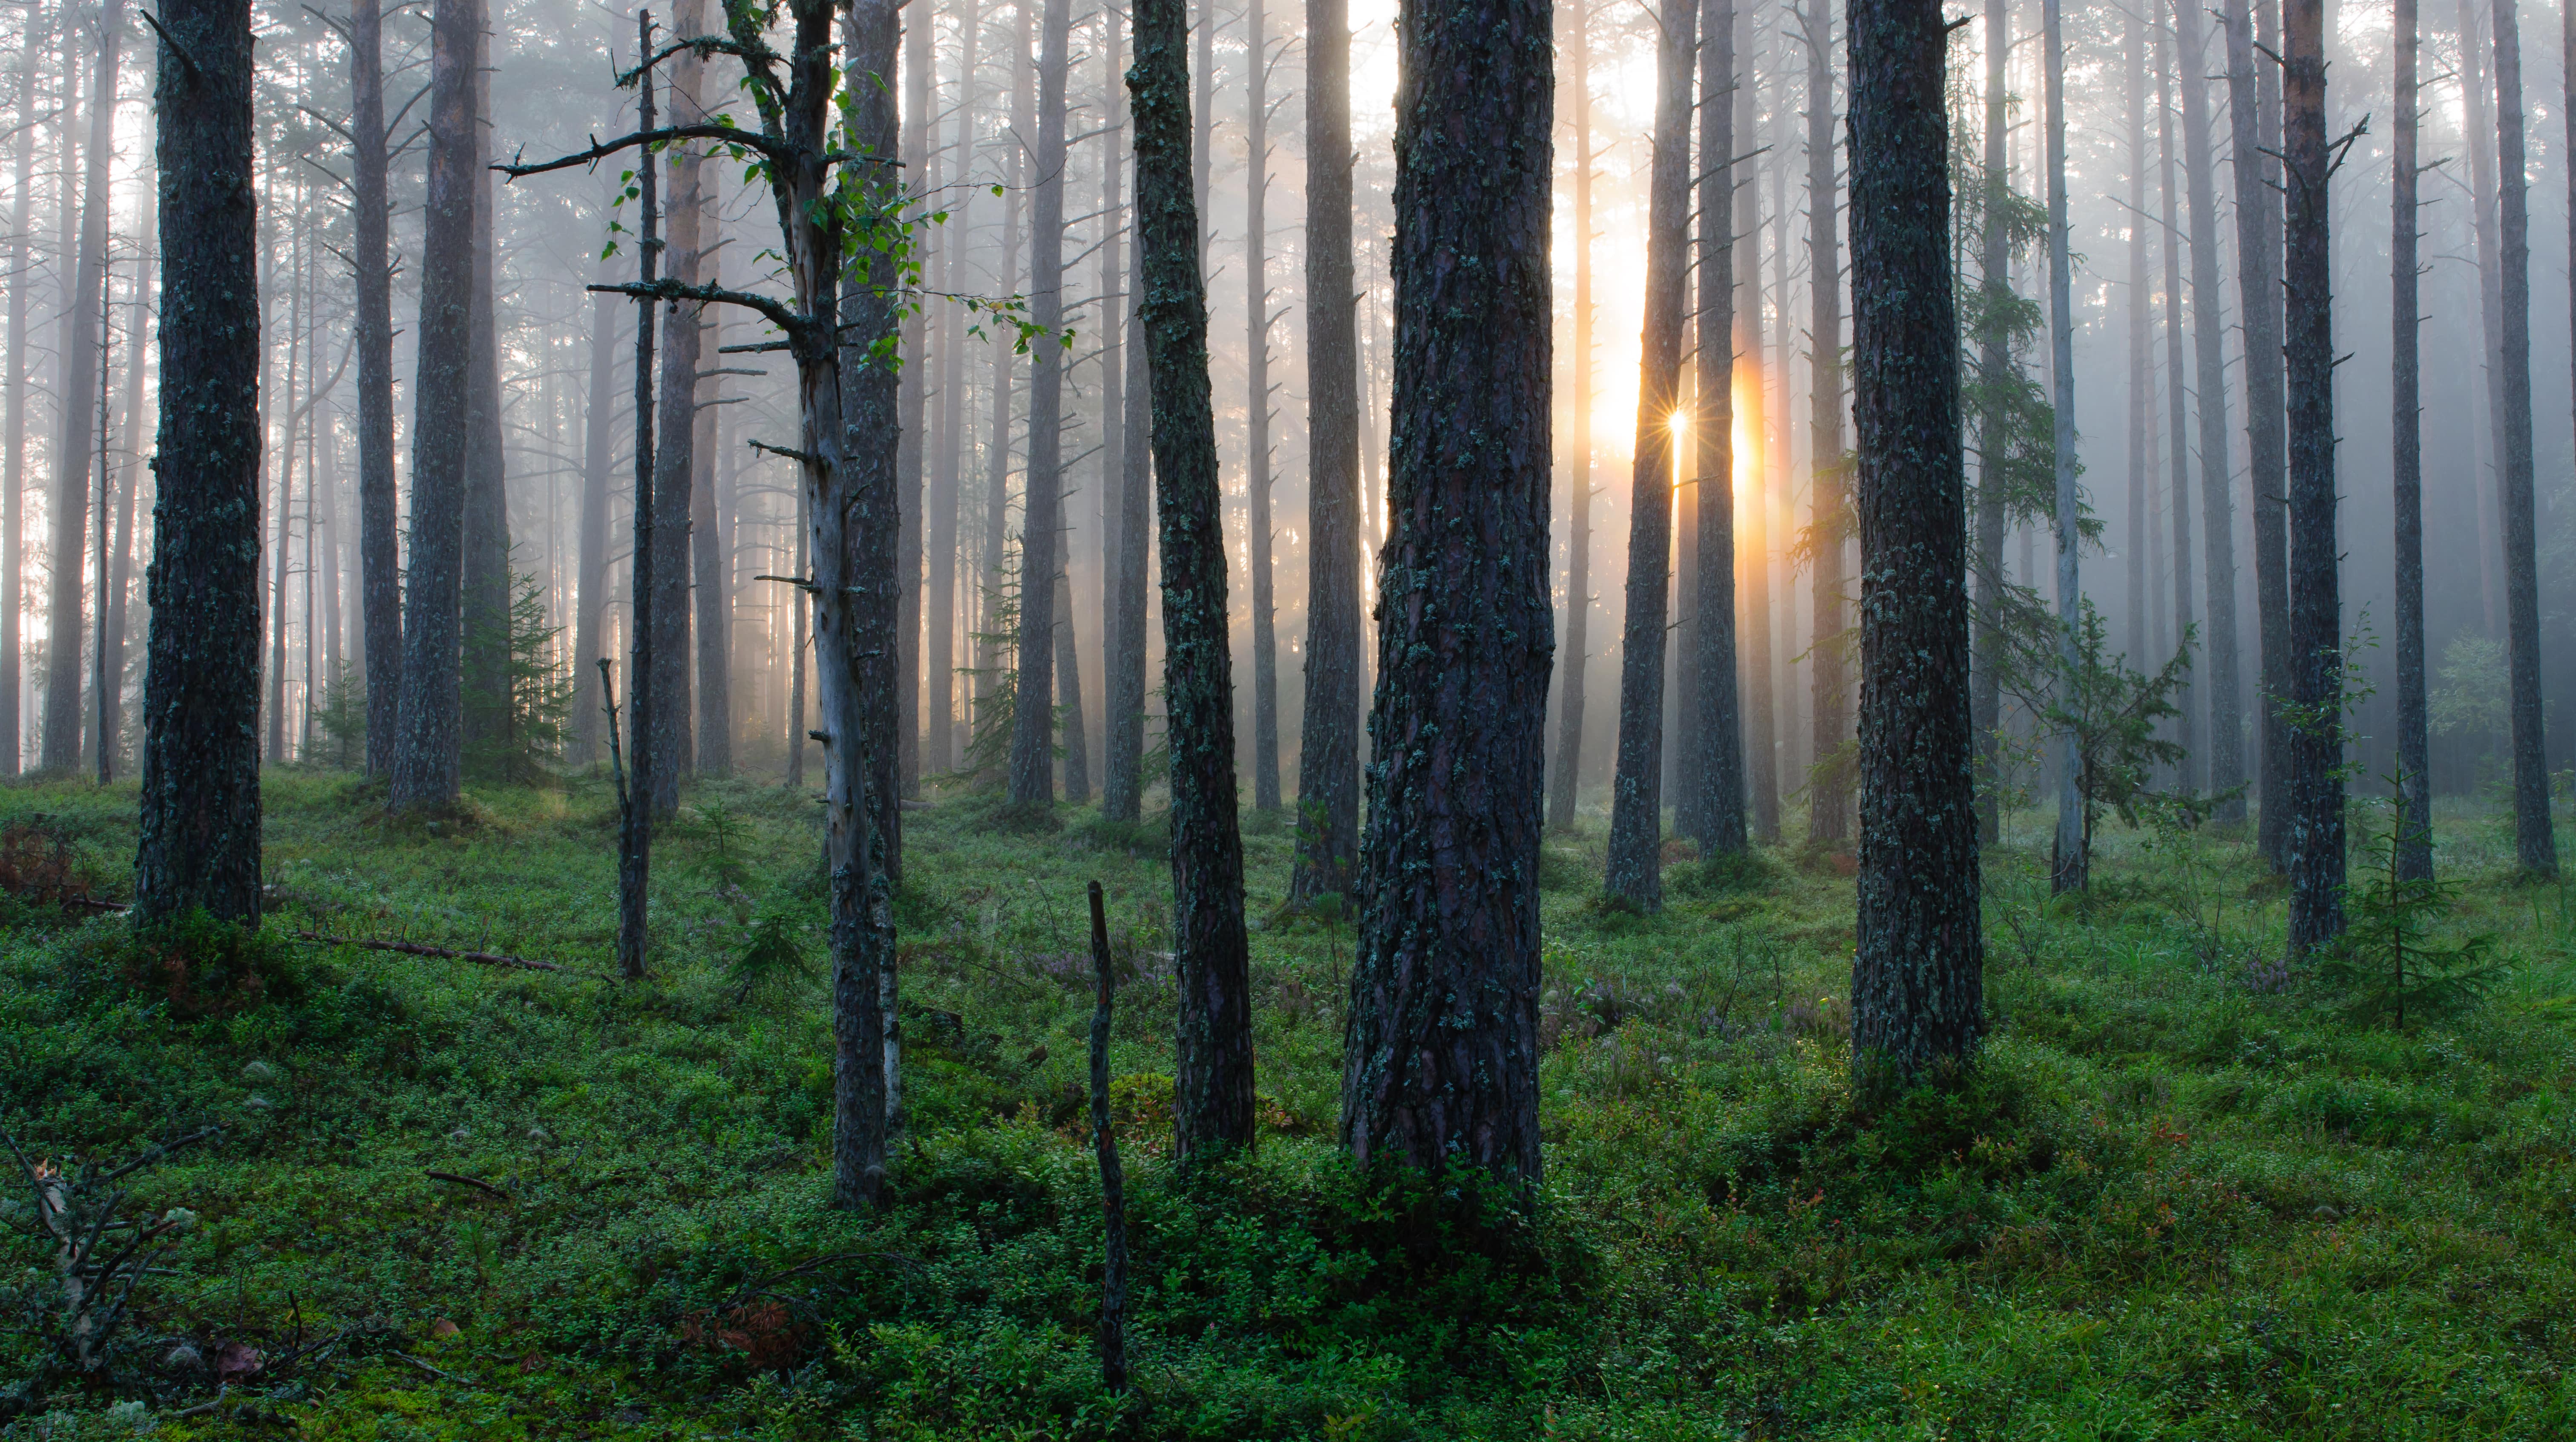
point(2184, 1195)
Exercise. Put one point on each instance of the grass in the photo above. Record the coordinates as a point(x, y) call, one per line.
point(2180, 1198)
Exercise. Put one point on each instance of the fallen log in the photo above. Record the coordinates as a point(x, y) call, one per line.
point(414, 948)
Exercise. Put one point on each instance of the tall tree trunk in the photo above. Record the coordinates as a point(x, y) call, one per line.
point(1256, 448)
point(1123, 761)
point(427, 760)
point(1328, 747)
point(489, 720)
point(2406, 451)
point(912, 413)
point(675, 459)
point(1441, 1059)
point(2477, 101)
point(1578, 446)
point(274, 713)
point(709, 531)
point(1213, 1098)
point(2218, 506)
point(2071, 868)
point(2177, 389)
point(199, 843)
point(112, 646)
point(997, 474)
point(635, 793)
point(590, 578)
point(1720, 732)
point(1068, 668)
point(380, 583)
point(2315, 787)
point(1828, 791)
point(1994, 359)
point(2534, 845)
point(13, 475)
point(1918, 998)
point(2258, 263)
point(1033, 722)
point(74, 453)
point(1635, 870)
point(2137, 539)
point(1761, 766)
point(939, 667)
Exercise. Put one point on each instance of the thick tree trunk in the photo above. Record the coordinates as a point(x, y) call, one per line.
point(1635, 870)
point(2406, 449)
point(2534, 845)
point(2071, 867)
point(590, 578)
point(2218, 505)
point(2315, 786)
point(1994, 358)
point(2258, 269)
point(1256, 447)
point(1033, 721)
point(76, 452)
point(1828, 792)
point(199, 843)
point(13, 475)
point(2177, 389)
point(1213, 1097)
point(1441, 1058)
point(1720, 730)
point(489, 719)
point(1328, 749)
point(380, 584)
point(1567, 776)
point(427, 761)
point(1918, 999)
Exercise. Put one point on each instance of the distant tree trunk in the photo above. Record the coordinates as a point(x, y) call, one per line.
point(635, 794)
point(1720, 732)
point(590, 580)
point(1033, 722)
point(803, 643)
point(1681, 642)
point(912, 413)
point(2258, 263)
point(709, 555)
point(2477, 101)
point(427, 759)
point(1256, 352)
point(2177, 389)
point(121, 556)
point(675, 459)
point(2534, 846)
point(199, 843)
point(2218, 506)
point(488, 718)
point(1116, 442)
point(1636, 809)
point(380, 583)
point(13, 484)
point(939, 667)
point(74, 454)
point(1994, 357)
point(2071, 868)
point(2137, 540)
point(274, 713)
point(1918, 999)
point(997, 474)
point(1213, 1097)
point(1761, 767)
point(1328, 750)
point(2315, 786)
point(1123, 785)
point(2406, 449)
point(1828, 794)
point(1578, 445)
point(1441, 1058)
point(1068, 670)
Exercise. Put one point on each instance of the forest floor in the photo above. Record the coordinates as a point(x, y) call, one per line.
point(2183, 1196)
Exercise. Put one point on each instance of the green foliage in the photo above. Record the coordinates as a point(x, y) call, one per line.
point(2388, 966)
point(343, 719)
point(2113, 714)
point(2471, 694)
point(994, 689)
point(525, 735)
point(773, 960)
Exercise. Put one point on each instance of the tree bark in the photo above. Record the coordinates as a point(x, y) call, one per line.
point(912, 414)
point(590, 578)
point(1635, 870)
point(1256, 352)
point(709, 531)
point(2406, 450)
point(939, 667)
point(2315, 781)
point(2177, 390)
point(1828, 796)
point(2477, 100)
point(379, 544)
point(199, 843)
point(1441, 1057)
point(1994, 359)
point(2534, 845)
point(1567, 776)
point(2138, 538)
point(2218, 506)
point(121, 555)
point(1328, 750)
point(635, 790)
point(428, 760)
point(2258, 262)
point(1917, 971)
point(1720, 732)
point(1213, 1097)
point(2071, 867)
point(489, 719)
point(997, 472)
point(1123, 757)
point(13, 476)
point(75, 452)
point(1041, 541)
point(1116, 440)
point(675, 458)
